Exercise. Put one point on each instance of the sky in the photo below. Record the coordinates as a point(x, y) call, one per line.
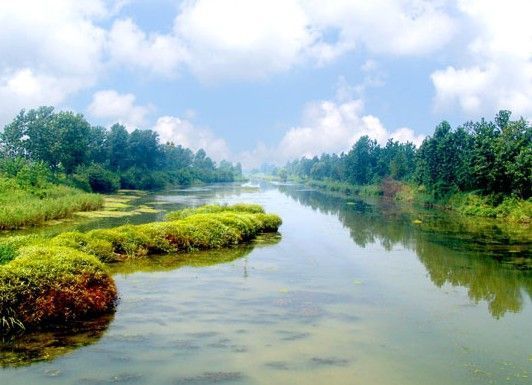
point(266, 81)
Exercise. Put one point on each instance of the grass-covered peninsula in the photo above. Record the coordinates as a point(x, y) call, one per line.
point(66, 278)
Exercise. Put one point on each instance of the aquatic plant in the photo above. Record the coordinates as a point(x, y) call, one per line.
point(207, 227)
point(47, 284)
point(209, 209)
point(64, 279)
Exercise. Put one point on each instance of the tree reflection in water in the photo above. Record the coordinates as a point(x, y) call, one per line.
point(492, 260)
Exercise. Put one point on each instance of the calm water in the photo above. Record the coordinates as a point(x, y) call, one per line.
point(351, 293)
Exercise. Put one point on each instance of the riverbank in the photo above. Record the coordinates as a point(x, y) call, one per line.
point(509, 208)
point(23, 205)
point(62, 279)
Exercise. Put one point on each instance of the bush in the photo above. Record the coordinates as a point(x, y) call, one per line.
point(99, 179)
point(137, 179)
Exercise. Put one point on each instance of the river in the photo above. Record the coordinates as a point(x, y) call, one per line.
point(351, 292)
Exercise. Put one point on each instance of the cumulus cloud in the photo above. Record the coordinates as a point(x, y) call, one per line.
point(129, 45)
point(243, 38)
point(328, 127)
point(250, 39)
point(400, 27)
point(184, 132)
point(498, 73)
point(121, 108)
point(50, 50)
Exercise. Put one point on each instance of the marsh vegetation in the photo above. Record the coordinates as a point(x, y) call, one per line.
point(46, 281)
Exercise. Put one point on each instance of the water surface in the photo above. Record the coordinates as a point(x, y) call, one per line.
point(350, 293)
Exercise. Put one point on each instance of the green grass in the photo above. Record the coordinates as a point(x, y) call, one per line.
point(64, 278)
point(510, 208)
point(46, 284)
point(207, 227)
point(24, 206)
point(209, 209)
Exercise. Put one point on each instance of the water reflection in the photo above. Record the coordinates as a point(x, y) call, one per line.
point(193, 259)
point(50, 344)
point(45, 346)
point(491, 260)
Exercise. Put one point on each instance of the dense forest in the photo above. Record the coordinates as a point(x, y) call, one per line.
point(65, 145)
point(485, 157)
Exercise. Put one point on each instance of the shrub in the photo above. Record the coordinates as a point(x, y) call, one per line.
point(98, 178)
point(138, 179)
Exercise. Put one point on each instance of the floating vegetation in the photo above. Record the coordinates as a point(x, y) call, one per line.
point(211, 378)
point(120, 206)
point(329, 361)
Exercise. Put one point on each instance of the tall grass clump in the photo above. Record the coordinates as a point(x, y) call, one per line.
point(23, 204)
point(492, 206)
point(50, 284)
point(210, 209)
point(207, 227)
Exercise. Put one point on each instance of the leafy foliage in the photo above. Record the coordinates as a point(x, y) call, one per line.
point(93, 157)
point(493, 159)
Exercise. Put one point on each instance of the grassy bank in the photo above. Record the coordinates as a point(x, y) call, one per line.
point(509, 208)
point(64, 278)
point(24, 205)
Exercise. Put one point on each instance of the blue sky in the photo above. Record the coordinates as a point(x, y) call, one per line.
point(268, 80)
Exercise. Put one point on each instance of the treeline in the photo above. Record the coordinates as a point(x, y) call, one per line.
point(103, 160)
point(487, 157)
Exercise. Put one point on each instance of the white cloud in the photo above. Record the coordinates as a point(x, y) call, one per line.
point(183, 132)
point(498, 73)
point(50, 50)
point(330, 126)
point(400, 27)
point(242, 38)
point(251, 39)
point(121, 108)
point(327, 127)
point(129, 45)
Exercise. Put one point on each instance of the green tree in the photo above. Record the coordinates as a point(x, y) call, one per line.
point(73, 136)
point(117, 148)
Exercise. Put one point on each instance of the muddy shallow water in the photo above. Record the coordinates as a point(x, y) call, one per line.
point(350, 293)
